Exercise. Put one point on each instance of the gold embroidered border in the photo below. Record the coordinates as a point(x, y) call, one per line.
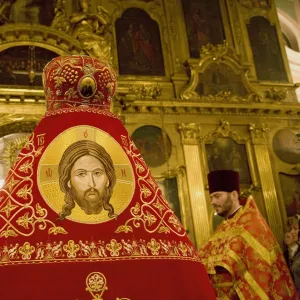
point(81, 108)
point(95, 251)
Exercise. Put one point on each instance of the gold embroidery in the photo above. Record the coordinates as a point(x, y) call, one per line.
point(223, 284)
point(26, 250)
point(216, 260)
point(153, 212)
point(10, 185)
point(230, 248)
point(95, 251)
point(81, 108)
point(114, 247)
point(96, 285)
point(8, 208)
point(18, 216)
point(71, 248)
point(154, 247)
point(269, 255)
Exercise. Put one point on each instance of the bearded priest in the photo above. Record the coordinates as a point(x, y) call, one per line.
point(242, 258)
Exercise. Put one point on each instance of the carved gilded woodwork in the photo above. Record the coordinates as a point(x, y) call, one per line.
point(220, 55)
point(276, 95)
point(146, 91)
point(14, 123)
point(194, 169)
point(259, 134)
point(93, 30)
point(189, 133)
point(12, 35)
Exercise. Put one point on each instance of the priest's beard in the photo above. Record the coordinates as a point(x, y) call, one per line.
point(92, 200)
point(226, 207)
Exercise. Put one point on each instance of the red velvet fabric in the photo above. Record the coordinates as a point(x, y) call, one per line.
point(78, 79)
point(144, 253)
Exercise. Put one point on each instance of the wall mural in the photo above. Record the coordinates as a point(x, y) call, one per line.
point(15, 65)
point(266, 50)
point(227, 154)
point(286, 146)
point(290, 186)
point(220, 77)
point(203, 24)
point(154, 146)
point(139, 44)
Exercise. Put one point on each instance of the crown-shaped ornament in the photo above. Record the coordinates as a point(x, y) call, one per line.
point(78, 80)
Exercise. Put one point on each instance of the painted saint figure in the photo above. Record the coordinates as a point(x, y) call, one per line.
point(87, 177)
point(87, 89)
point(24, 11)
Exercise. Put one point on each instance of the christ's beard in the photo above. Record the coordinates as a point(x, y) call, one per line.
point(91, 202)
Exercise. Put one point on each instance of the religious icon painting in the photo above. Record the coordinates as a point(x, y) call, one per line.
point(154, 145)
point(204, 24)
point(286, 146)
point(266, 50)
point(80, 178)
point(139, 44)
point(290, 186)
point(224, 153)
point(87, 87)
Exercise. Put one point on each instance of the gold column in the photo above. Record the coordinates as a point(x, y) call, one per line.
point(259, 140)
point(190, 135)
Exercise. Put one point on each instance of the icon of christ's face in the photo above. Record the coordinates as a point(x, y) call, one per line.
point(88, 183)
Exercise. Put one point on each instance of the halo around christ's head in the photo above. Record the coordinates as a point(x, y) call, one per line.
point(100, 161)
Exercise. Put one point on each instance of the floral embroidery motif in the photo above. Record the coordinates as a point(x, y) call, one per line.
point(95, 251)
point(96, 285)
point(152, 211)
point(18, 216)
